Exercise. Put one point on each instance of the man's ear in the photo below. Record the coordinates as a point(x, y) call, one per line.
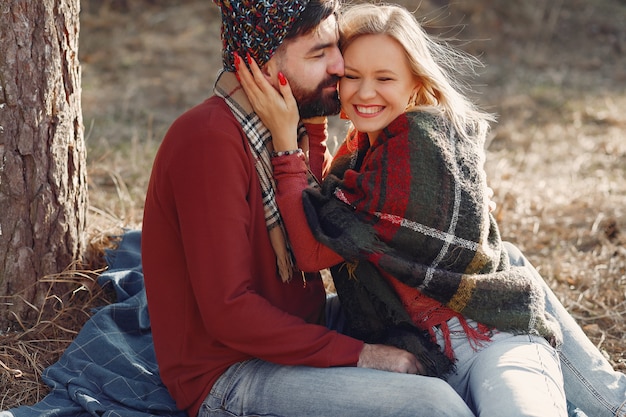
point(270, 70)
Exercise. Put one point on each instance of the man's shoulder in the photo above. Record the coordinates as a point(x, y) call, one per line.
point(213, 109)
point(211, 118)
point(208, 124)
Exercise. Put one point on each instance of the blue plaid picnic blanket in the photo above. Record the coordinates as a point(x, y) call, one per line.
point(110, 368)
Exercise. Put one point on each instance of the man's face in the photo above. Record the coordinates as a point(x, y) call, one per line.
point(313, 65)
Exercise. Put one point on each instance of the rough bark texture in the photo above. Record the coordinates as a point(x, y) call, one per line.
point(43, 184)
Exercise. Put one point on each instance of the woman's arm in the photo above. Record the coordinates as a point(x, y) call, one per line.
point(290, 172)
point(279, 112)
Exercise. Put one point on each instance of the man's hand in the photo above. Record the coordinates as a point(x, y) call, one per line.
point(389, 358)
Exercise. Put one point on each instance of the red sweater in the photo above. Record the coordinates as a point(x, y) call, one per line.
point(214, 295)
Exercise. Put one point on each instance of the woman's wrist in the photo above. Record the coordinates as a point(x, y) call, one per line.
point(285, 141)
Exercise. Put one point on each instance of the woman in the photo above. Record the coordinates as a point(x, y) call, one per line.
point(406, 205)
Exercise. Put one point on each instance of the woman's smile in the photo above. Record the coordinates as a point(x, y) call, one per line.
point(368, 110)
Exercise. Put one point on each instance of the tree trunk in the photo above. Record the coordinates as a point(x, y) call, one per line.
point(43, 180)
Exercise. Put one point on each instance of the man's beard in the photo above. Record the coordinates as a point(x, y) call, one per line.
point(316, 102)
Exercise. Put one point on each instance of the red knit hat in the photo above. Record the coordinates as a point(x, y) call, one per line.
point(257, 27)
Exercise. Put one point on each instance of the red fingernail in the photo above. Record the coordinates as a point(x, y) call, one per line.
point(281, 79)
point(249, 58)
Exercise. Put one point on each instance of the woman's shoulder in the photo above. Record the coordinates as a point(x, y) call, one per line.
point(419, 122)
point(426, 118)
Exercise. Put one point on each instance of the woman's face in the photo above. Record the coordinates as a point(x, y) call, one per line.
point(377, 84)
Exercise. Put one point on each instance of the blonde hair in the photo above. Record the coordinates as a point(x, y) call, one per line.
point(431, 61)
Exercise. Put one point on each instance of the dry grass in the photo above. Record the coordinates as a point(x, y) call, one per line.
point(28, 348)
point(556, 159)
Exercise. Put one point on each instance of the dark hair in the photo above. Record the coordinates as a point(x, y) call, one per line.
point(315, 13)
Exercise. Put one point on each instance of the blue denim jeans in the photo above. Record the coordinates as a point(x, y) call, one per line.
point(509, 376)
point(259, 388)
point(591, 384)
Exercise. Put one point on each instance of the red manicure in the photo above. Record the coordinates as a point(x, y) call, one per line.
point(249, 58)
point(281, 79)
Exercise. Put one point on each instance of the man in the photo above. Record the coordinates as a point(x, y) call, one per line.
point(236, 329)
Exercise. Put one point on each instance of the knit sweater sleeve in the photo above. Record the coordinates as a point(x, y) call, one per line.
point(290, 173)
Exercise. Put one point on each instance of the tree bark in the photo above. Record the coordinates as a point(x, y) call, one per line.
point(43, 180)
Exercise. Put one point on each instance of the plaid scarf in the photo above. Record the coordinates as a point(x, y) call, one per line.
point(414, 206)
point(260, 141)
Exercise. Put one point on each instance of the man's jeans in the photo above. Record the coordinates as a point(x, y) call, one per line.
point(259, 388)
point(591, 384)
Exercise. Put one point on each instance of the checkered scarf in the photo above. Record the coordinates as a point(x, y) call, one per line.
point(413, 204)
point(260, 141)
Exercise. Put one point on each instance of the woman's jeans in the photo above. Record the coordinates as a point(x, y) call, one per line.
point(259, 388)
point(508, 376)
point(591, 384)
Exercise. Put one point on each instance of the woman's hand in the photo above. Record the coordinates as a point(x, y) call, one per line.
point(277, 109)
